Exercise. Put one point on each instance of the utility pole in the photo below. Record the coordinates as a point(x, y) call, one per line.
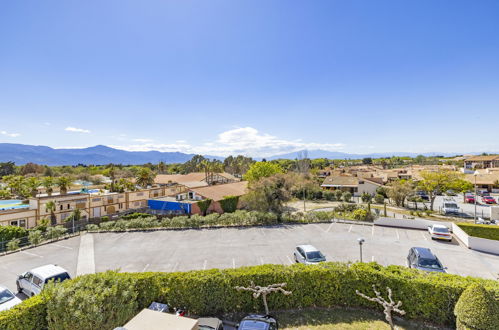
point(476, 197)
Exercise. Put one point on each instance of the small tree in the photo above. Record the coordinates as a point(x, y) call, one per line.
point(366, 198)
point(339, 194)
point(229, 203)
point(388, 306)
point(204, 205)
point(35, 237)
point(347, 196)
point(477, 309)
point(13, 244)
point(264, 291)
point(379, 199)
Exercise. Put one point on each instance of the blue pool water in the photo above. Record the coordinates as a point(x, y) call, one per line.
point(12, 204)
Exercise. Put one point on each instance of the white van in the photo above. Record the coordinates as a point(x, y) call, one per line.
point(32, 282)
point(450, 207)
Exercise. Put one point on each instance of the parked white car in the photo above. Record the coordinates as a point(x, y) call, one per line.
point(308, 255)
point(32, 282)
point(7, 299)
point(440, 232)
point(450, 207)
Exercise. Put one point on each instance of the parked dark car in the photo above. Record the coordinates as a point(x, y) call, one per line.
point(423, 259)
point(423, 195)
point(260, 322)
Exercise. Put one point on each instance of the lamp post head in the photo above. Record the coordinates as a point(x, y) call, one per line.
point(361, 240)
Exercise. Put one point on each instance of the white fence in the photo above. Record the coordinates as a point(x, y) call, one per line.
point(409, 223)
point(476, 243)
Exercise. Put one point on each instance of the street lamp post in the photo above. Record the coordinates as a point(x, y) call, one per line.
point(361, 241)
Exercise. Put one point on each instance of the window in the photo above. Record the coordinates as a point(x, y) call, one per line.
point(96, 200)
point(28, 277)
point(14, 223)
point(69, 206)
point(22, 223)
point(61, 207)
point(37, 281)
point(140, 194)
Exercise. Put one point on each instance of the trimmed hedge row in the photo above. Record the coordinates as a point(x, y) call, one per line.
point(425, 297)
point(482, 231)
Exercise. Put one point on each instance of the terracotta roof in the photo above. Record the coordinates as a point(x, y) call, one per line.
point(219, 191)
point(483, 158)
point(348, 181)
point(191, 180)
point(490, 178)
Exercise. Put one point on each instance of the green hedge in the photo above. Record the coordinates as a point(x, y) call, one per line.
point(425, 297)
point(483, 231)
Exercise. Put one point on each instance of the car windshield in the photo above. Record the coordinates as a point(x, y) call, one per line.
point(253, 325)
point(440, 230)
point(314, 255)
point(430, 263)
point(5, 295)
point(205, 327)
point(58, 278)
point(450, 205)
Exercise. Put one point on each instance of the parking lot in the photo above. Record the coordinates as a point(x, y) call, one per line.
point(233, 247)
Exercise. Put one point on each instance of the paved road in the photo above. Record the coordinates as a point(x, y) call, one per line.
point(229, 248)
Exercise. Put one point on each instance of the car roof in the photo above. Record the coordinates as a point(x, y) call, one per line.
point(307, 248)
point(440, 226)
point(424, 252)
point(48, 271)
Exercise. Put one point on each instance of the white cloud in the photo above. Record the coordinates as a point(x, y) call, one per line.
point(244, 140)
point(143, 140)
point(77, 130)
point(9, 134)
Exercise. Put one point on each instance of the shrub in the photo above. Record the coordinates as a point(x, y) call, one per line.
point(108, 225)
point(379, 199)
point(366, 198)
point(13, 244)
point(360, 214)
point(10, 232)
point(97, 301)
point(107, 300)
point(483, 231)
point(104, 218)
point(477, 309)
point(55, 232)
point(35, 237)
point(329, 195)
point(347, 197)
point(204, 205)
point(345, 207)
point(229, 203)
point(339, 194)
point(92, 227)
point(31, 314)
point(135, 215)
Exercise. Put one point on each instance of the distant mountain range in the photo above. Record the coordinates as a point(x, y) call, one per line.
point(100, 155)
point(341, 155)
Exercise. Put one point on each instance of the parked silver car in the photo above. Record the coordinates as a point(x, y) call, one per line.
point(32, 282)
point(308, 254)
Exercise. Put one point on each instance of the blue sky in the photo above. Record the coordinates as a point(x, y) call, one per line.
point(260, 77)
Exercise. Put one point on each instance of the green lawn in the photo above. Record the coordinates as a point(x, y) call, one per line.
point(338, 318)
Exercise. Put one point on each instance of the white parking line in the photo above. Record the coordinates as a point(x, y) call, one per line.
point(175, 267)
point(317, 226)
point(263, 233)
point(350, 229)
point(261, 261)
point(329, 228)
point(144, 269)
point(422, 234)
point(372, 232)
point(32, 254)
point(372, 258)
point(205, 263)
point(233, 263)
point(62, 246)
point(86, 257)
point(289, 259)
point(398, 236)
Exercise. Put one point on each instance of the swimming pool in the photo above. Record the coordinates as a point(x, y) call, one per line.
point(12, 204)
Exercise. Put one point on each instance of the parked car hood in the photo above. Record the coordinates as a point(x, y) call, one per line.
point(9, 304)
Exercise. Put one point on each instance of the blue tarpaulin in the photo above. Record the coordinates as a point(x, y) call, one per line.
point(155, 204)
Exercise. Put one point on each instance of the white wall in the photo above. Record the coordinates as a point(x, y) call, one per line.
point(409, 223)
point(367, 187)
point(476, 243)
point(461, 234)
point(494, 213)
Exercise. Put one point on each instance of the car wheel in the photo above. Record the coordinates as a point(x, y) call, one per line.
point(296, 260)
point(19, 290)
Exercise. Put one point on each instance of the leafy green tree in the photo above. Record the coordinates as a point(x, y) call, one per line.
point(434, 183)
point(399, 190)
point(145, 177)
point(260, 170)
point(64, 184)
point(8, 233)
point(16, 184)
point(269, 194)
point(379, 199)
point(7, 168)
point(367, 161)
point(48, 183)
point(347, 196)
point(366, 198)
point(5, 194)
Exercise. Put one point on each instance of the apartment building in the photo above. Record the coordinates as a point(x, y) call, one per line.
point(91, 205)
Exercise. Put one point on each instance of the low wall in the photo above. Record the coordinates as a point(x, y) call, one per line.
point(476, 243)
point(409, 223)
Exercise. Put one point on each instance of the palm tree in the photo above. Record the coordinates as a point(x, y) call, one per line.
point(145, 177)
point(48, 183)
point(32, 185)
point(15, 183)
point(64, 183)
point(50, 206)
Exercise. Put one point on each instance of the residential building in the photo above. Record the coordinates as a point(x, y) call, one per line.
point(475, 162)
point(355, 185)
point(194, 180)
